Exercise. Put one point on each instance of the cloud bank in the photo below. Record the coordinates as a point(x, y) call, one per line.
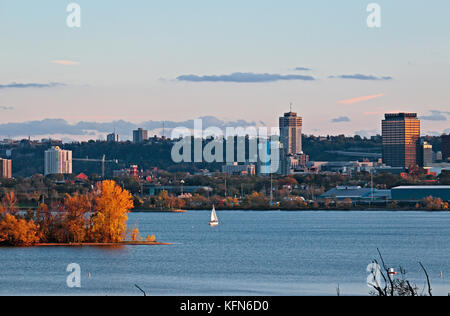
point(15, 85)
point(436, 115)
point(50, 127)
point(341, 119)
point(302, 69)
point(240, 77)
point(362, 77)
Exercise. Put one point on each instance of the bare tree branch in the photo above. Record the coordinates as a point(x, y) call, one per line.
point(137, 286)
point(428, 279)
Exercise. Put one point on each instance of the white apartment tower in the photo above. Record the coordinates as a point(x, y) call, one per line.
point(58, 161)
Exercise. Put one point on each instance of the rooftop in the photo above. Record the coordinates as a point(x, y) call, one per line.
point(423, 187)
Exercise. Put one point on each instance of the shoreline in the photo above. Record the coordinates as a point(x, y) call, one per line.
point(298, 210)
point(128, 243)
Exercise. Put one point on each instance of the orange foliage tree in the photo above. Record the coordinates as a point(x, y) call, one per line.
point(9, 203)
point(112, 204)
point(75, 222)
point(18, 232)
point(100, 217)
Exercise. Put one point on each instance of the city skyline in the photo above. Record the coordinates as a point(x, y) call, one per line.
point(188, 60)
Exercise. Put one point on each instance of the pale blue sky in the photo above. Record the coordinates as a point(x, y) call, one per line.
point(130, 54)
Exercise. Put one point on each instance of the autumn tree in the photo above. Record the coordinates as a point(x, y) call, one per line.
point(112, 204)
point(18, 232)
point(75, 221)
point(9, 203)
point(433, 204)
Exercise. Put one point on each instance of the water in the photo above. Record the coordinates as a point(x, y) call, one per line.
point(250, 253)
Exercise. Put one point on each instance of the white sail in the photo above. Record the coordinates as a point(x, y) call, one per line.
point(214, 219)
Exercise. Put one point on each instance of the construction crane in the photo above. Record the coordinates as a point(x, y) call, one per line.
point(103, 161)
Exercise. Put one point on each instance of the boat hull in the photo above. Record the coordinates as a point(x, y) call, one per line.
point(212, 224)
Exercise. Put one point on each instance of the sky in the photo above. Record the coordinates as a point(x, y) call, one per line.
point(176, 60)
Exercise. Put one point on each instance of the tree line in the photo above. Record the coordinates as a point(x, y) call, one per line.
point(99, 216)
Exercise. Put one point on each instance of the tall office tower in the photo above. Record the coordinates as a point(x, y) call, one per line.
point(445, 147)
point(58, 161)
point(290, 139)
point(5, 169)
point(291, 133)
point(112, 138)
point(425, 158)
point(401, 139)
point(140, 135)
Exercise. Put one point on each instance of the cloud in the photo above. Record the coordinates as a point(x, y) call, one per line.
point(361, 77)
point(240, 77)
point(65, 62)
point(341, 119)
point(362, 99)
point(367, 133)
point(15, 85)
point(302, 69)
point(436, 115)
point(6, 108)
point(48, 127)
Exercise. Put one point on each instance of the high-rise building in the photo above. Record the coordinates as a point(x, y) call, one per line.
point(140, 135)
point(5, 169)
point(445, 147)
point(401, 136)
point(291, 133)
point(290, 140)
point(58, 161)
point(112, 138)
point(425, 158)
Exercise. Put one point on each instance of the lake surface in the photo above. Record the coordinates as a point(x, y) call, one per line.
point(250, 253)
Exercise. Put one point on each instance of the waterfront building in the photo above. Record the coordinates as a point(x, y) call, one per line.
point(401, 135)
point(418, 193)
point(356, 193)
point(140, 135)
point(5, 169)
point(57, 161)
point(425, 158)
point(445, 147)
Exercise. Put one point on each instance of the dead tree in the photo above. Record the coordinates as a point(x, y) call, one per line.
point(396, 287)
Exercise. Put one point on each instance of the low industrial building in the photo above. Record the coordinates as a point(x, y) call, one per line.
point(418, 193)
point(356, 193)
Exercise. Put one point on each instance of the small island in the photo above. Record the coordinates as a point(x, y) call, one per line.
point(97, 218)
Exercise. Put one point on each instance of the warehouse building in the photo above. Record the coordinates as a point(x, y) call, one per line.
point(356, 193)
point(418, 193)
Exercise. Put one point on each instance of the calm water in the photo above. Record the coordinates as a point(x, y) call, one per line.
point(251, 253)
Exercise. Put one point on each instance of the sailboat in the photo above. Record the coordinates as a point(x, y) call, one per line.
point(214, 219)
